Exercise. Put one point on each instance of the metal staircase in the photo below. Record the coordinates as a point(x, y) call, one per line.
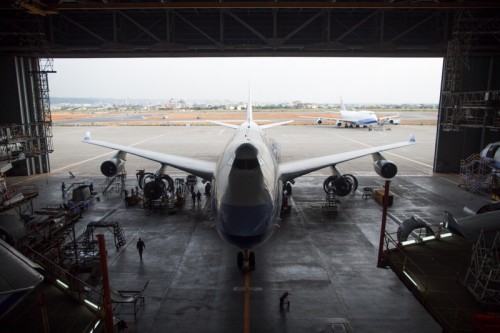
point(114, 227)
point(330, 205)
point(476, 175)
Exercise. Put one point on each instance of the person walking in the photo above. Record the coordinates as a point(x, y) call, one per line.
point(140, 247)
point(193, 196)
point(284, 299)
point(198, 195)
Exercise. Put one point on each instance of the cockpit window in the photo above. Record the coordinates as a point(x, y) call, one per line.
point(491, 152)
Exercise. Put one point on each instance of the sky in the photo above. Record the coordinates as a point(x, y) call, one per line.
point(272, 80)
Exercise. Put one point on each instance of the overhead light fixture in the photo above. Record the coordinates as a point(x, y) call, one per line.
point(412, 281)
point(408, 242)
point(91, 304)
point(448, 234)
point(428, 238)
point(95, 326)
point(62, 284)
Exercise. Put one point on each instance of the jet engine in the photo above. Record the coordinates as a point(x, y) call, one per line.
point(319, 121)
point(385, 168)
point(112, 167)
point(341, 185)
point(154, 190)
point(155, 185)
point(339, 123)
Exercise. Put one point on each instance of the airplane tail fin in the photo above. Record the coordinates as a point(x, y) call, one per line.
point(249, 107)
point(342, 106)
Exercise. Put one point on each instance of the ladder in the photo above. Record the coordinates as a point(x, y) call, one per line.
point(330, 205)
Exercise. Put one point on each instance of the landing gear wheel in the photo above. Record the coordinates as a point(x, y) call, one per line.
point(251, 261)
point(246, 260)
point(239, 260)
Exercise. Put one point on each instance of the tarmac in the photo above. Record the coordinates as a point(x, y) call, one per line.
point(327, 262)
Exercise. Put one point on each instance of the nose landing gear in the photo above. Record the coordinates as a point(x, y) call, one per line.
point(246, 260)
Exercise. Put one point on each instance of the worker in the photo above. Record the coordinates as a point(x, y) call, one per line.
point(284, 298)
point(140, 247)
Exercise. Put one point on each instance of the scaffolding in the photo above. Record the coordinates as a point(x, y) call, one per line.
point(470, 109)
point(459, 108)
point(483, 275)
point(42, 135)
point(477, 175)
point(18, 142)
point(33, 138)
point(113, 227)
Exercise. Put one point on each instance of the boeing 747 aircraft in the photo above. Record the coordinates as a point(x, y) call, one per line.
point(361, 118)
point(247, 180)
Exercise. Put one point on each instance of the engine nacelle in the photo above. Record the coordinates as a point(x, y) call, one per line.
point(385, 168)
point(112, 167)
point(339, 123)
point(154, 189)
point(319, 121)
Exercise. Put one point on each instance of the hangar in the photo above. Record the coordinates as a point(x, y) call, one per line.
point(464, 33)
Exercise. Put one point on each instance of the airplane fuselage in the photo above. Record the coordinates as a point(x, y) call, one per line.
point(361, 118)
point(247, 190)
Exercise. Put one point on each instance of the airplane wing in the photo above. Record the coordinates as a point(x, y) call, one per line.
point(309, 117)
point(294, 169)
point(388, 117)
point(200, 168)
point(394, 119)
point(349, 121)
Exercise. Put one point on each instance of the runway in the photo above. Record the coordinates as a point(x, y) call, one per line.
point(328, 264)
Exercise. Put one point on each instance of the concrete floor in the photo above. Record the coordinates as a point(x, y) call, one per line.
point(327, 263)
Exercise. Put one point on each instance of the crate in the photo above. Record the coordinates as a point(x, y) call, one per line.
point(378, 194)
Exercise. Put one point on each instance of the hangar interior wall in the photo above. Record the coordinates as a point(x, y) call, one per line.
point(25, 122)
point(469, 111)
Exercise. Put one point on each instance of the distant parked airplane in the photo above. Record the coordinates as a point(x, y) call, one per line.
point(247, 180)
point(361, 118)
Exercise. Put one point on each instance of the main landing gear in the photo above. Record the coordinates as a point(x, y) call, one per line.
point(246, 260)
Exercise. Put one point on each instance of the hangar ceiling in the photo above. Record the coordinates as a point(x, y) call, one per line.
point(71, 28)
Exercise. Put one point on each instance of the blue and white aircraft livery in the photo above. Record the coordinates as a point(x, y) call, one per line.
point(247, 180)
point(360, 118)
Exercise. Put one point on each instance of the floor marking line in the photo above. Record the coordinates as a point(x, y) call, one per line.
point(246, 304)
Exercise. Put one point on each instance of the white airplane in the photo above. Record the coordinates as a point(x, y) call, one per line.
point(247, 181)
point(491, 153)
point(361, 118)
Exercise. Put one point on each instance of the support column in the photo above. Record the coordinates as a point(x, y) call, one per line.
point(106, 291)
point(381, 262)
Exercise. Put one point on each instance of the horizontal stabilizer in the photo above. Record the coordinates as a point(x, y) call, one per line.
point(276, 124)
point(224, 124)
